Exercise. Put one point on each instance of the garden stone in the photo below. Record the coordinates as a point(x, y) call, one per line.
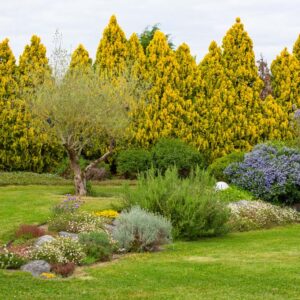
point(109, 227)
point(66, 234)
point(36, 267)
point(43, 239)
point(221, 186)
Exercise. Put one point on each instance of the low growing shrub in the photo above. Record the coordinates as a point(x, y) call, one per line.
point(234, 194)
point(217, 168)
point(131, 162)
point(61, 250)
point(29, 231)
point(97, 245)
point(269, 172)
point(174, 152)
point(192, 205)
point(63, 269)
point(75, 222)
point(251, 215)
point(139, 230)
point(10, 260)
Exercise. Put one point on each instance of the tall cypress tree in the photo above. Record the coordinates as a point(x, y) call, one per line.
point(8, 72)
point(296, 48)
point(135, 57)
point(286, 80)
point(215, 106)
point(165, 113)
point(189, 82)
point(80, 59)
point(33, 66)
point(240, 67)
point(112, 50)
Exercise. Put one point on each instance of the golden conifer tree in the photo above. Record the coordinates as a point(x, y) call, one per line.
point(215, 107)
point(189, 82)
point(33, 66)
point(80, 58)
point(296, 48)
point(240, 67)
point(112, 50)
point(166, 113)
point(286, 80)
point(8, 72)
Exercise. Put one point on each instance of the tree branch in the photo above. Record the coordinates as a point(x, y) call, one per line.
point(103, 157)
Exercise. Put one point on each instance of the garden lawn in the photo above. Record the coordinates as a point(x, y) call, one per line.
point(254, 265)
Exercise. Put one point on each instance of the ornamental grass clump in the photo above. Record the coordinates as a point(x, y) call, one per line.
point(26, 231)
point(61, 250)
point(138, 230)
point(192, 204)
point(269, 172)
point(251, 215)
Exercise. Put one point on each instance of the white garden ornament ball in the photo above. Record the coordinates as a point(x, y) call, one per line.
point(221, 186)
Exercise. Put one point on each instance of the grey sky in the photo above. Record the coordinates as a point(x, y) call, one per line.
point(272, 24)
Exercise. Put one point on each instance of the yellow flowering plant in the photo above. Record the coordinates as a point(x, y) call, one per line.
point(108, 213)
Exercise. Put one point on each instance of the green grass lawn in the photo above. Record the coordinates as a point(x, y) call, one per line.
point(253, 265)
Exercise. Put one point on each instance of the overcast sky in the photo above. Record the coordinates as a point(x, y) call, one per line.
point(272, 24)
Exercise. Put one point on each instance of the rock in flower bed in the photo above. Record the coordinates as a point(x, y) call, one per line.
point(250, 215)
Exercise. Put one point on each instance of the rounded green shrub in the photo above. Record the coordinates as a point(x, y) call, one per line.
point(96, 245)
point(174, 152)
point(133, 161)
point(192, 204)
point(217, 168)
point(139, 230)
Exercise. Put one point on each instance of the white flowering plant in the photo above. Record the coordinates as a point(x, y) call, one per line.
point(10, 260)
point(76, 222)
point(60, 250)
point(253, 215)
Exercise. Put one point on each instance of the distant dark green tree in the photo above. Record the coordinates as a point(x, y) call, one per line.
point(147, 35)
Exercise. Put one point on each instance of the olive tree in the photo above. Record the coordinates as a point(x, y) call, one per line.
point(81, 108)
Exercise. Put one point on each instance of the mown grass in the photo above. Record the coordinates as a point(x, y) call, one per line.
point(253, 265)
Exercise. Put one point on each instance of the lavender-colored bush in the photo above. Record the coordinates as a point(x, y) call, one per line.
point(270, 172)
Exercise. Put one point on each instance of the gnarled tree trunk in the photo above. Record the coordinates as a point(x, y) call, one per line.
point(80, 175)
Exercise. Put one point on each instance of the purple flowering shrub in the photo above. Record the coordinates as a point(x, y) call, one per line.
point(270, 172)
point(69, 205)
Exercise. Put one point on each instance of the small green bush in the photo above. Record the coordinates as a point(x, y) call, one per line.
point(131, 162)
point(217, 168)
point(139, 230)
point(9, 260)
point(97, 245)
point(234, 194)
point(192, 205)
point(174, 152)
point(60, 250)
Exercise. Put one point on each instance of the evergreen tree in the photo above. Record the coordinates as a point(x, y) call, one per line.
point(286, 80)
point(296, 49)
point(33, 66)
point(147, 35)
point(8, 72)
point(80, 58)
point(112, 50)
point(189, 82)
point(215, 107)
point(135, 57)
point(165, 113)
point(239, 64)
